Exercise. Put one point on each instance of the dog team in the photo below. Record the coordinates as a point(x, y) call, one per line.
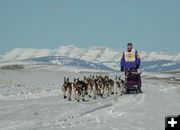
point(92, 86)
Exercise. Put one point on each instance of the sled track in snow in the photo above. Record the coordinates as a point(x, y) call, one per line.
point(35, 102)
point(96, 109)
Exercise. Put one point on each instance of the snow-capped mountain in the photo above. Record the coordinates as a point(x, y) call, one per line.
point(95, 54)
point(97, 57)
point(63, 60)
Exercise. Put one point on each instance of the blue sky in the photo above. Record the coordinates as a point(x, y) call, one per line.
point(152, 25)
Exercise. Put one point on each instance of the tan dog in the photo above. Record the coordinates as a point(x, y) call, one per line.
point(119, 84)
point(90, 83)
point(109, 85)
point(67, 88)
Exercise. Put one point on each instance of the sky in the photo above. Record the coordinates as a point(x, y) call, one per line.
point(151, 25)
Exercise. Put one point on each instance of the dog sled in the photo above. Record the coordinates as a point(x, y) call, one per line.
point(132, 81)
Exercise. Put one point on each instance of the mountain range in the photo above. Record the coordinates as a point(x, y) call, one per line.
point(94, 57)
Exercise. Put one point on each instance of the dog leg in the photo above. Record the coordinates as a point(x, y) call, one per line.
point(70, 92)
point(78, 96)
point(64, 92)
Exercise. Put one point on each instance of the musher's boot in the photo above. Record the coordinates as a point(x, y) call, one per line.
point(140, 91)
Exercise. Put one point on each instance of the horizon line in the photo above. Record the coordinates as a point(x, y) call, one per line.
point(93, 46)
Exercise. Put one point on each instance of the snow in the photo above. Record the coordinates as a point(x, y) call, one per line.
point(96, 54)
point(154, 56)
point(44, 52)
point(169, 64)
point(69, 51)
point(26, 53)
point(99, 55)
point(31, 99)
point(13, 54)
point(177, 58)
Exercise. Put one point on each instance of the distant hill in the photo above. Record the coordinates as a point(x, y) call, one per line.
point(94, 57)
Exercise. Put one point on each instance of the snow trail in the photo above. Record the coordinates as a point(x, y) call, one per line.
point(33, 101)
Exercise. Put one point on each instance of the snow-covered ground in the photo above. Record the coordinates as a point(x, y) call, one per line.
point(31, 99)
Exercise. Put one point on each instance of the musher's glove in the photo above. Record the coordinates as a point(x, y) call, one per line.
point(137, 66)
point(122, 69)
